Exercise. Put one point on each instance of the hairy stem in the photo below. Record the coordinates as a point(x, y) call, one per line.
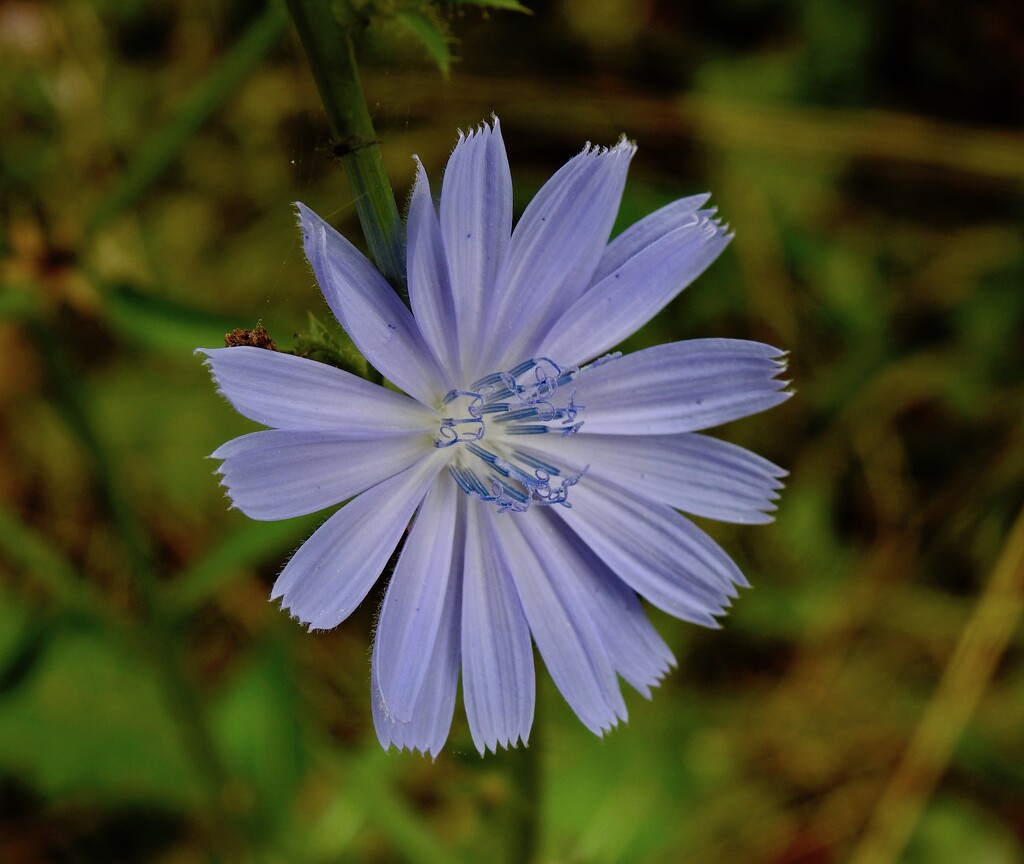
point(327, 41)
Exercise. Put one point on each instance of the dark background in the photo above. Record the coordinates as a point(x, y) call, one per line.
point(155, 707)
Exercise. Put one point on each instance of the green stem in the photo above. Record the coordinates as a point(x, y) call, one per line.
point(327, 42)
point(524, 814)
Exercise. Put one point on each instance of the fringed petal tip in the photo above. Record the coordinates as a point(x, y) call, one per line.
point(208, 363)
point(609, 723)
point(493, 745)
point(624, 146)
point(222, 481)
point(648, 669)
point(482, 128)
point(711, 226)
point(420, 750)
point(310, 225)
point(205, 358)
point(303, 213)
point(646, 689)
point(278, 598)
point(426, 735)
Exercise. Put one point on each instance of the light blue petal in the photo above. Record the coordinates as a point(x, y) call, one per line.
point(689, 471)
point(636, 290)
point(642, 234)
point(289, 392)
point(635, 649)
point(430, 291)
point(659, 553)
point(282, 473)
point(380, 325)
point(556, 610)
point(414, 605)
point(430, 717)
point(334, 569)
point(497, 657)
point(476, 223)
point(555, 249)
point(680, 387)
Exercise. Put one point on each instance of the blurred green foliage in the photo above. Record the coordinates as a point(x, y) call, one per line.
point(155, 707)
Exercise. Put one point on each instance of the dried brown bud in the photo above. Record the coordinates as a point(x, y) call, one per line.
point(257, 338)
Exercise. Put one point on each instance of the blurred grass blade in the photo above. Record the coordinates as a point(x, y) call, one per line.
point(26, 653)
point(511, 5)
point(370, 780)
point(155, 156)
point(159, 322)
point(36, 556)
point(252, 543)
point(967, 675)
point(430, 32)
point(71, 403)
point(257, 721)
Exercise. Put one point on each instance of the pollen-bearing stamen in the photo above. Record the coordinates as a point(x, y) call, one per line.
point(526, 400)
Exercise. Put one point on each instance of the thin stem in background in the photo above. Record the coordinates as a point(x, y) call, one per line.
point(154, 634)
point(328, 46)
point(161, 150)
point(967, 674)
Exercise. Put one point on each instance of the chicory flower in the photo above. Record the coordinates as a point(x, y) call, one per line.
point(543, 477)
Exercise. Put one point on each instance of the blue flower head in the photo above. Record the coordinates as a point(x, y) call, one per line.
point(542, 477)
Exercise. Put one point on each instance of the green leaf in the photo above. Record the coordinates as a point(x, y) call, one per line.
point(258, 729)
point(432, 33)
point(330, 346)
point(510, 5)
point(92, 722)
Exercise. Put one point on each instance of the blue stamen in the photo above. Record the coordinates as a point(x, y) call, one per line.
point(512, 493)
point(518, 414)
point(479, 451)
point(534, 462)
point(487, 381)
point(527, 429)
point(547, 412)
point(525, 366)
point(528, 391)
point(467, 481)
point(509, 382)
